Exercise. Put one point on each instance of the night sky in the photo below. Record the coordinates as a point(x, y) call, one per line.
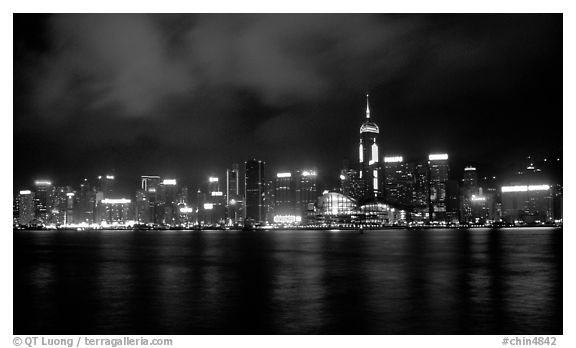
point(187, 95)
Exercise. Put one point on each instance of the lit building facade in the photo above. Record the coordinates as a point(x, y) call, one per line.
point(105, 184)
point(306, 192)
point(234, 197)
point(350, 183)
point(148, 203)
point(438, 182)
point(26, 209)
point(43, 200)
point(420, 194)
point(217, 201)
point(398, 182)
point(86, 202)
point(115, 211)
point(527, 203)
point(469, 190)
point(336, 208)
point(368, 156)
point(254, 192)
point(167, 202)
point(284, 196)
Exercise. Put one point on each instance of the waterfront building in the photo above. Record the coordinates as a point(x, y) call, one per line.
point(255, 190)
point(438, 170)
point(216, 200)
point(469, 189)
point(420, 194)
point(306, 192)
point(86, 202)
point(284, 197)
point(141, 207)
point(166, 205)
point(234, 198)
point(398, 182)
point(532, 203)
point(25, 207)
point(376, 213)
point(42, 200)
point(336, 208)
point(115, 211)
point(149, 209)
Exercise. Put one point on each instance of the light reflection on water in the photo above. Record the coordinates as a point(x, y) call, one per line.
point(434, 281)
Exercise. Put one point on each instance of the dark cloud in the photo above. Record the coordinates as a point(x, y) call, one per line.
point(187, 92)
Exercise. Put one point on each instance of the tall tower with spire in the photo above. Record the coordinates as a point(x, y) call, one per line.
point(368, 155)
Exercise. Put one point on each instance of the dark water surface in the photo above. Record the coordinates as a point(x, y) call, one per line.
point(436, 281)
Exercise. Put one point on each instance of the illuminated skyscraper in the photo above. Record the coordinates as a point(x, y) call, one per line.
point(368, 156)
point(149, 186)
point(420, 193)
point(254, 191)
point(438, 178)
point(86, 202)
point(217, 200)
point(25, 202)
point(398, 182)
point(105, 184)
point(351, 184)
point(306, 191)
point(167, 202)
point(234, 197)
point(284, 195)
point(469, 189)
point(42, 199)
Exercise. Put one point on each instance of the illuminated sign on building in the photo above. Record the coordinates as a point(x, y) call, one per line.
point(287, 219)
point(213, 179)
point(438, 157)
point(42, 183)
point(111, 177)
point(284, 175)
point(116, 201)
point(185, 210)
point(478, 198)
point(361, 153)
point(217, 194)
point(171, 182)
point(393, 159)
point(308, 173)
point(469, 169)
point(524, 188)
point(208, 206)
point(538, 187)
point(25, 192)
point(70, 194)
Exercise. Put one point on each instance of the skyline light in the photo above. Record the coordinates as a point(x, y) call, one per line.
point(525, 188)
point(116, 201)
point(393, 159)
point(438, 157)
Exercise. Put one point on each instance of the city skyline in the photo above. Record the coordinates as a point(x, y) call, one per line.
point(372, 191)
point(295, 174)
point(77, 109)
